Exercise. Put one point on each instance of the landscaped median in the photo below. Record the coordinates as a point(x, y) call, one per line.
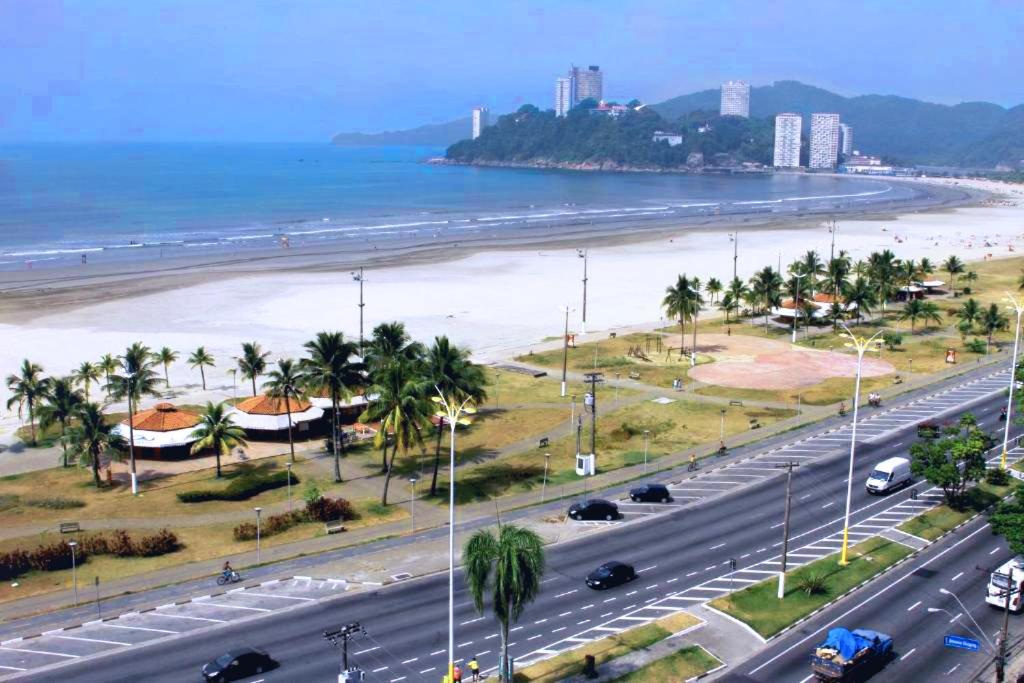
point(810, 587)
point(690, 661)
point(942, 519)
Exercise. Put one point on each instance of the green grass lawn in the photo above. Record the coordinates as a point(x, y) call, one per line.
point(937, 521)
point(759, 607)
point(680, 666)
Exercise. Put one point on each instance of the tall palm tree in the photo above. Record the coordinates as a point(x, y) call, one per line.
point(908, 272)
point(402, 409)
point(389, 343)
point(812, 268)
point(62, 402)
point(509, 566)
point(882, 266)
point(28, 387)
point(728, 304)
point(954, 266)
point(926, 267)
point(91, 438)
point(201, 358)
point(837, 273)
point(738, 288)
point(217, 430)
point(447, 369)
point(1020, 280)
point(252, 362)
point(969, 312)
point(713, 288)
point(992, 319)
point(677, 304)
point(861, 294)
point(86, 374)
point(165, 357)
point(330, 368)
point(108, 366)
point(916, 309)
point(134, 379)
point(767, 284)
point(287, 382)
point(695, 304)
point(970, 276)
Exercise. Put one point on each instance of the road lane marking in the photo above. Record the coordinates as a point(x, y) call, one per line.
point(912, 651)
point(185, 616)
point(716, 547)
point(471, 621)
point(647, 569)
point(562, 628)
point(363, 652)
point(957, 576)
point(38, 652)
point(916, 604)
point(219, 604)
point(282, 597)
point(141, 628)
point(564, 614)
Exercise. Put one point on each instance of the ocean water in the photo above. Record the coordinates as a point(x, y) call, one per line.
point(59, 201)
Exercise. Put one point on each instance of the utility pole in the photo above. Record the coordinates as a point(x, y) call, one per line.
point(342, 635)
point(832, 249)
point(582, 253)
point(593, 378)
point(785, 524)
point(735, 252)
point(1005, 634)
point(358, 277)
point(565, 350)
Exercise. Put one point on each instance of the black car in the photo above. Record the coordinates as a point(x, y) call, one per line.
point(610, 574)
point(650, 493)
point(595, 508)
point(238, 663)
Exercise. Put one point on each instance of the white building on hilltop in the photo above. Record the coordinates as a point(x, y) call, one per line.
point(787, 140)
point(845, 139)
point(735, 99)
point(564, 94)
point(824, 140)
point(479, 121)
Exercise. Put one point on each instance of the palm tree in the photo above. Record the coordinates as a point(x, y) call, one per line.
point(676, 304)
point(767, 285)
point(811, 267)
point(165, 357)
point(970, 276)
point(201, 358)
point(390, 342)
point(401, 408)
point(926, 267)
point(1020, 280)
point(882, 266)
point(991, 320)
point(108, 365)
point(510, 567)
point(287, 382)
point(969, 312)
point(861, 294)
point(728, 304)
point(62, 402)
point(738, 289)
point(330, 369)
point(713, 288)
point(86, 374)
point(915, 310)
point(695, 303)
point(92, 438)
point(954, 266)
point(447, 368)
point(135, 379)
point(907, 271)
point(217, 430)
point(28, 388)
point(252, 362)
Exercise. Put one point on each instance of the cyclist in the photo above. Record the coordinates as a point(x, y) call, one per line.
point(227, 571)
point(693, 462)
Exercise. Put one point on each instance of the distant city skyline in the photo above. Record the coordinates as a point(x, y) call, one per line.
point(188, 70)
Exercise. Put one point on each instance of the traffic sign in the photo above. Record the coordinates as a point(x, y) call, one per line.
point(961, 643)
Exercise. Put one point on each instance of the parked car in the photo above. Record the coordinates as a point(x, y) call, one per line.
point(650, 493)
point(595, 508)
point(610, 574)
point(238, 663)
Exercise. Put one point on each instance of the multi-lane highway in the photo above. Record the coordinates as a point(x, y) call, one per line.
point(682, 555)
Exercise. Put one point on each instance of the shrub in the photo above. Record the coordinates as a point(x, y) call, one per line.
point(13, 564)
point(311, 493)
point(8, 501)
point(243, 487)
point(997, 476)
point(246, 531)
point(812, 584)
point(56, 556)
point(273, 524)
point(55, 503)
point(976, 345)
point(892, 340)
point(329, 510)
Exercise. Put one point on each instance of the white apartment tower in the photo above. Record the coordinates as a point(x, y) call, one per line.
point(735, 99)
point(845, 139)
point(787, 140)
point(479, 121)
point(587, 83)
point(824, 140)
point(564, 93)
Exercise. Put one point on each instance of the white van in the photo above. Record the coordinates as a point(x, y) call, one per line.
point(1010, 574)
point(889, 475)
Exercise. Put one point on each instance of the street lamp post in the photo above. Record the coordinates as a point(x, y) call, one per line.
point(582, 253)
point(544, 486)
point(412, 502)
point(1018, 306)
point(452, 411)
point(74, 569)
point(861, 345)
point(131, 434)
point(646, 434)
point(565, 350)
point(358, 277)
point(721, 429)
point(796, 304)
point(288, 465)
point(258, 556)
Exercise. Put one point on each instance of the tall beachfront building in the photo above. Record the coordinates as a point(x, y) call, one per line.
point(845, 139)
point(787, 140)
point(587, 83)
point(479, 121)
point(824, 140)
point(735, 99)
point(564, 94)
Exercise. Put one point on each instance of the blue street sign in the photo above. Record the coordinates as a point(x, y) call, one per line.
point(962, 643)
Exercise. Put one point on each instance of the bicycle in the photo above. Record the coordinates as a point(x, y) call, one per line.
point(235, 577)
point(694, 465)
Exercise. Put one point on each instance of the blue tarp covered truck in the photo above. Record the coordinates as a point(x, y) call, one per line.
point(847, 655)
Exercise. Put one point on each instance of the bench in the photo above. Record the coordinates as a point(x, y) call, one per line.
point(335, 527)
point(543, 442)
point(735, 403)
point(69, 528)
point(634, 375)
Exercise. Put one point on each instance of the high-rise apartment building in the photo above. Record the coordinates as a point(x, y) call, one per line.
point(824, 140)
point(564, 94)
point(787, 140)
point(479, 121)
point(845, 139)
point(587, 83)
point(735, 99)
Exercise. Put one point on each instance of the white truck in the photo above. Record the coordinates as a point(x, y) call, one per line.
point(889, 475)
point(1009, 576)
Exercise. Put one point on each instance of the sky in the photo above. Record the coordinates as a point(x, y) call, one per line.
point(303, 70)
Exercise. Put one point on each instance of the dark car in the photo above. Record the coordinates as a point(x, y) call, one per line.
point(610, 574)
point(238, 663)
point(650, 493)
point(595, 508)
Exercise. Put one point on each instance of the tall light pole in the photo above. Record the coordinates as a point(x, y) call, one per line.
point(74, 569)
point(735, 252)
point(647, 433)
point(565, 351)
point(412, 502)
point(288, 465)
point(1018, 306)
point(453, 412)
point(131, 432)
point(796, 303)
point(358, 277)
point(258, 556)
point(582, 253)
point(544, 486)
point(832, 228)
point(861, 345)
point(721, 430)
